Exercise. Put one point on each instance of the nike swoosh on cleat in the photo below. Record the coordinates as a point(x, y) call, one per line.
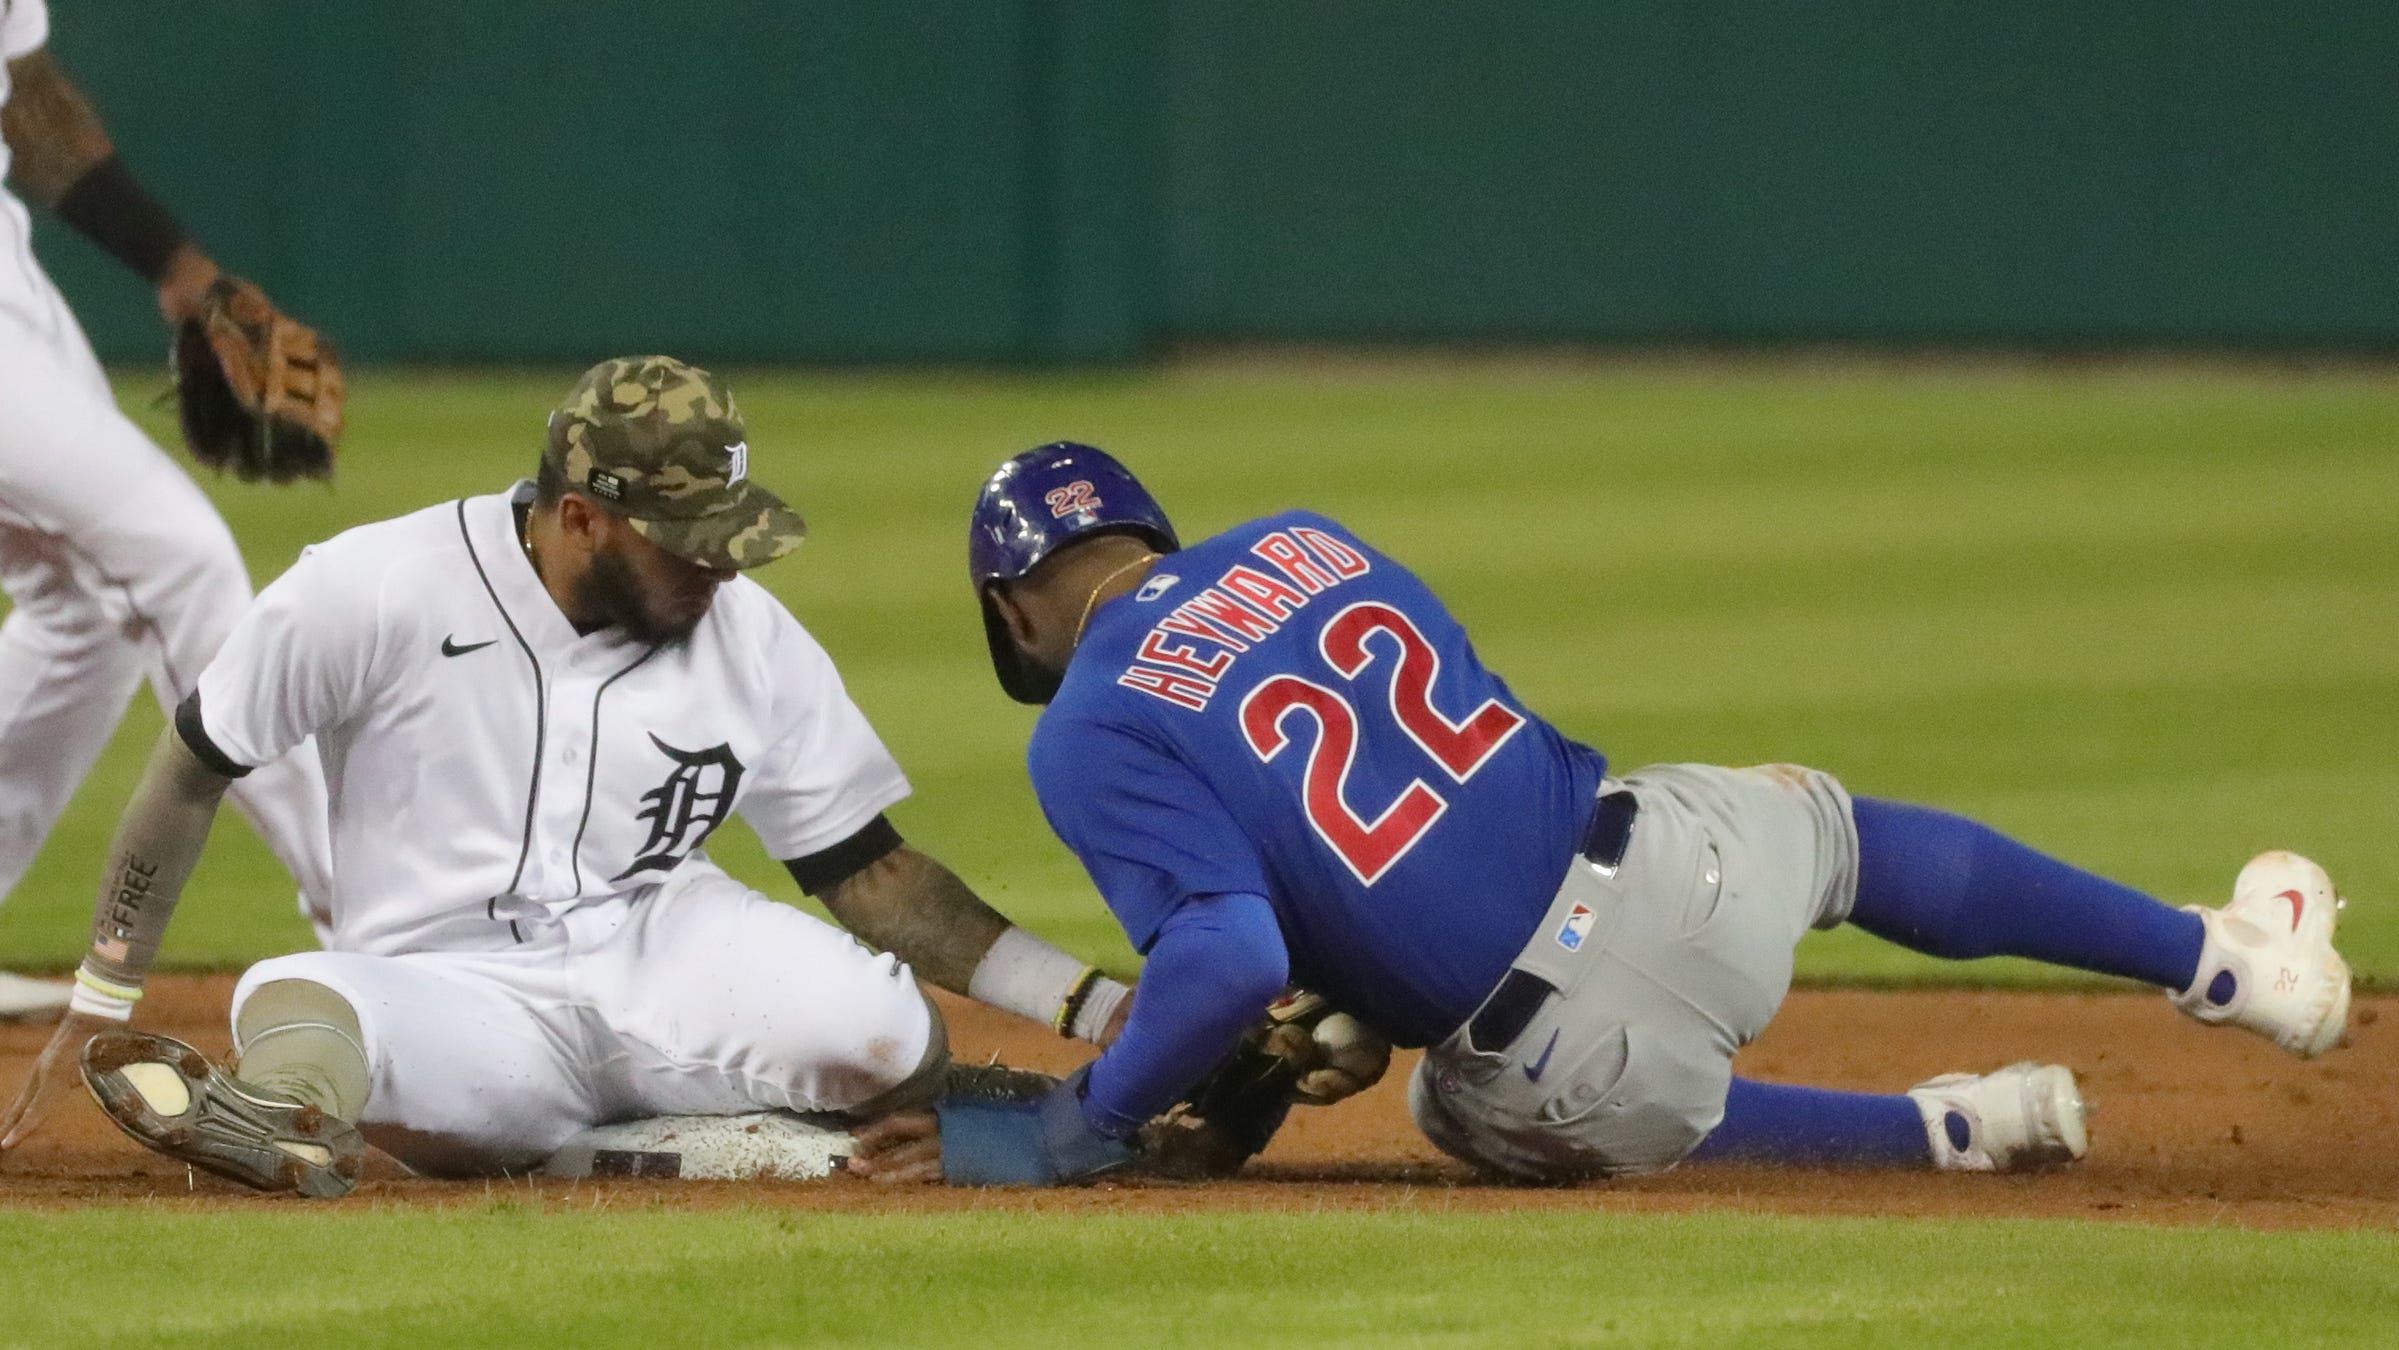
point(450, 647)
point(1534, 1070)
point(2298, 906)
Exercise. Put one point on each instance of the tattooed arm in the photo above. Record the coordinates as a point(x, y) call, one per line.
point(908, 904)
point(54, 134)
point(62, 157)
point(158, 844)
point(913, 907)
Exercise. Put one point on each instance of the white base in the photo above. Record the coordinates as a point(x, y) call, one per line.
point(770, 1145)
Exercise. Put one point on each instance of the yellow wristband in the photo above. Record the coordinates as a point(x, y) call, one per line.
point(127, 993)
point(1064, 1023)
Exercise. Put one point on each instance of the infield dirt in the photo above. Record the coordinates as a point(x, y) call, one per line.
point(2192, 1126)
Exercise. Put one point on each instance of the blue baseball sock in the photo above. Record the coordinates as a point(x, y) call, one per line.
point(1816, 1127)
point(1946, 886)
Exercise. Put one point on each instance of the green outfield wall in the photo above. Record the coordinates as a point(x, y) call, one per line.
point(1079, 180)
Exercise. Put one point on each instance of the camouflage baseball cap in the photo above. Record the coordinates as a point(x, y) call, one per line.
point(662, 444)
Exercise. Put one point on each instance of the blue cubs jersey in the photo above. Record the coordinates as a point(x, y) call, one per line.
point(1283, 711)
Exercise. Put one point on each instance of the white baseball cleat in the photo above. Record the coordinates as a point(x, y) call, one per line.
point(2009, 1120)
point(172, 1100)
point(24, 1000)
point(2268, 963)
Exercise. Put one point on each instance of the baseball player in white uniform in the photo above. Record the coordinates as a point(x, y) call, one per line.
point(534, 708)
point(115, 564)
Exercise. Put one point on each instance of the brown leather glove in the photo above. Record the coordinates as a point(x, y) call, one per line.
point(260, 392)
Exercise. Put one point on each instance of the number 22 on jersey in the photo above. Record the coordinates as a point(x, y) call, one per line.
point(1370, 847)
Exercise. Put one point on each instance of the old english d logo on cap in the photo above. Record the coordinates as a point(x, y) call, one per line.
point(662, 443)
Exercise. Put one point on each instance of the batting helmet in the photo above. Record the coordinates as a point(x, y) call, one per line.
point(1036, 504)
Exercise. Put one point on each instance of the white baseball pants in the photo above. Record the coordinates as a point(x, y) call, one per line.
point(698, 996)
point(117, 568)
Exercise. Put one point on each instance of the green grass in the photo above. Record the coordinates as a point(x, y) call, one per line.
point(1416, 1276)
point(2147, 621)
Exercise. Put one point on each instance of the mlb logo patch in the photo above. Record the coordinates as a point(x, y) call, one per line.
point(1155, 587)
point(1577, 927)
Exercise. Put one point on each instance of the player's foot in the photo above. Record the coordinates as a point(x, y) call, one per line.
point(24, 1000)
point(2010, 1120)
point(2268, 964)
point(172, 1100)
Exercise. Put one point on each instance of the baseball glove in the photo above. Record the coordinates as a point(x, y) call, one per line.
point(260, 392)
point(1306, 1052)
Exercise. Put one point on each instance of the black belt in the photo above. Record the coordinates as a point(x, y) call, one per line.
point(1611, 831)
point(1504, 1016)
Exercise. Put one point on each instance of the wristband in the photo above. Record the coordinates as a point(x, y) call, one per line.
point(1027, 976)
point(109, 208)
point(98, 997)
point(1091, 1020)
point(1064, 1022)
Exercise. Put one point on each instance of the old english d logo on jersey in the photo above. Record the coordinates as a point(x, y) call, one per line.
point(695, 798)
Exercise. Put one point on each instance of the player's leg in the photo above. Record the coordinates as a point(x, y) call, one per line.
point(184, 577)
point(1945, 885)
point(138, 546)
point(2022, 1116)
point(282, 1122)
point(1651, 969)
point(302, 1040)
point(66, 669)
point(1684, 955)
point(455, 1064)
point(726, 1002)
point(1787, 817)
point(66, 674)
point(472, 1062)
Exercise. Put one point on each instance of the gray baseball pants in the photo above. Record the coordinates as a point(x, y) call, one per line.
point(1657, 970)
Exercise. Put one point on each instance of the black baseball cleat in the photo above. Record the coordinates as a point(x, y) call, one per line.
point(173, 1101)
point(996, 1082)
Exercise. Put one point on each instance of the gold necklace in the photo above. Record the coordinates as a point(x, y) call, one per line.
point(524, 536)
point(1106, 581)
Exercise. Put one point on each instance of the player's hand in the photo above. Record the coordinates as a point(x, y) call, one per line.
point(1329, 1054)
point(902, 1147)
point(53, 1070)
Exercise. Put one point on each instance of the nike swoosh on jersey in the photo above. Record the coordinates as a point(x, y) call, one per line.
point(450, 647)
point(1534, 1070)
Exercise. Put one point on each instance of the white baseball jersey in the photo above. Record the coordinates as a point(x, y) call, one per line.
point(487, 765)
